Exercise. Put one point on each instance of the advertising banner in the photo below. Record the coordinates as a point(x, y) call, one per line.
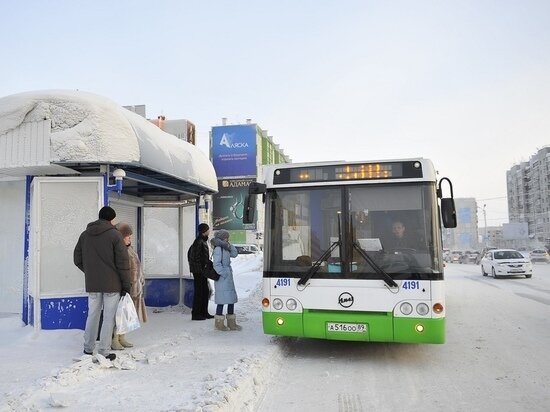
point(229, 204)
point(234, 150)
point(515, 231)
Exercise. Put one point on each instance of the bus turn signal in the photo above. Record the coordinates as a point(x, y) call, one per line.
point(438, 308)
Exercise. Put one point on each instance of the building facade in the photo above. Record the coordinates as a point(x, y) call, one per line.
point(495, 237)
point(466, 235)
point(238, 153)
point(528, 185)
point(183, 129)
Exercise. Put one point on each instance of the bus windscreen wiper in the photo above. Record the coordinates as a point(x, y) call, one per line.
point(385, 277)
point(313, 270)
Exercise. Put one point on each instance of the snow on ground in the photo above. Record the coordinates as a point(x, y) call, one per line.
point(176, 364)
point(496, 359)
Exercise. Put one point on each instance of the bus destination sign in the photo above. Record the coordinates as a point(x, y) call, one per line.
point(357, 171)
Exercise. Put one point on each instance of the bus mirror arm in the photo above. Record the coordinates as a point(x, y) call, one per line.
point(256, 188)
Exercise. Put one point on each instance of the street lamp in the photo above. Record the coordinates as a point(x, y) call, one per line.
point(485, 223)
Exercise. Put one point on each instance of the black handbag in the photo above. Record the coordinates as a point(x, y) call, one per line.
point(210, 272)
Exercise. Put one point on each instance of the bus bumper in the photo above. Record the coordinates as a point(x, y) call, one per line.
point(381, 327)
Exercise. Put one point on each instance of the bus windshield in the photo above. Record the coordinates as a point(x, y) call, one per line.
point(393, 226)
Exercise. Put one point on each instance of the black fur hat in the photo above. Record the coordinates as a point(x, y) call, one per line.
point(203, 227)
point(107, 213)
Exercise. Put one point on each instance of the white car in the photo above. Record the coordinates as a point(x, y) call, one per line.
point(539, 255)
point(505, 262)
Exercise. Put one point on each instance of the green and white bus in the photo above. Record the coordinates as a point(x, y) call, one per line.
point(352, 250)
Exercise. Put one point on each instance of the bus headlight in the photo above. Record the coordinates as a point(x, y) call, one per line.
point(422, 309)
point(277, 304)
point(406, 308)
point(291, 304)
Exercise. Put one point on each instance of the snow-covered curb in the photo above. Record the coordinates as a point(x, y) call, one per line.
point(241, 386)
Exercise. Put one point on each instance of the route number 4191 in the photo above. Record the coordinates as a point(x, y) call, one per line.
point(282, 282)
point(411, 284)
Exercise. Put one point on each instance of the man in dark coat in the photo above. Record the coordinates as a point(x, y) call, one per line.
point(199, 256)
point(102, 255)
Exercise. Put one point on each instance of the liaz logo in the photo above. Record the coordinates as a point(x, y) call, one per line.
point(345, 300)
point(227, 141)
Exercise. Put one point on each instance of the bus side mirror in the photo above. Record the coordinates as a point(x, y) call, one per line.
point(448, 212)
point(249, 209)
point(254, 188)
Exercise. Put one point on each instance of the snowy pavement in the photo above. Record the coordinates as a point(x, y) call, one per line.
point(176, 364)
point(496, 358)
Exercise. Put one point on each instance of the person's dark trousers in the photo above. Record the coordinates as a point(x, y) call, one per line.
point(200, 297)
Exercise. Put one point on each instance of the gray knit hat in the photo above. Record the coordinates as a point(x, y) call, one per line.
point(222, 234)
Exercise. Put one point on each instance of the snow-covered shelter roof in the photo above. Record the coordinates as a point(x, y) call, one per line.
point(57, 132)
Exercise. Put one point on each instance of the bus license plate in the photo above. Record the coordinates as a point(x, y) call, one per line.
point(347, 327)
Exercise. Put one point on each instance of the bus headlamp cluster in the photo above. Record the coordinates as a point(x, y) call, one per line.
point(406, 308)
point(278, 304)
point(422, 309)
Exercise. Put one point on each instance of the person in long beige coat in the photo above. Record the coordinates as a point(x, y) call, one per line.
point(138, 282)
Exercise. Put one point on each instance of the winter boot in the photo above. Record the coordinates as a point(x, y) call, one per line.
point(115, 344)
point(124, 342)
point(232, 322)
point(219, 323)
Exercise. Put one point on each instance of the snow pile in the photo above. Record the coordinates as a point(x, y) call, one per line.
point(86, 127)
point(175, 365)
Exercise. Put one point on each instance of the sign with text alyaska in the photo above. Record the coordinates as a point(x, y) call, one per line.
point(234, 150)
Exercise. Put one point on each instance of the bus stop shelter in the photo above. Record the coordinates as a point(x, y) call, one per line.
point(59, 154)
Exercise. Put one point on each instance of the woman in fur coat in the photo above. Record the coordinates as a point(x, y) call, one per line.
point(138, 282)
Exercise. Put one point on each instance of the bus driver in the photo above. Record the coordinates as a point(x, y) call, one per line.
point(399, 238)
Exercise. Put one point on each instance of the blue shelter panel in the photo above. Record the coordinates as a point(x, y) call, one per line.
point(31, 310)
point(189, 291)
point(64, 313)
point(162, 292)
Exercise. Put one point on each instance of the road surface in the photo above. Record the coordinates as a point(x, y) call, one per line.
point(496, 358)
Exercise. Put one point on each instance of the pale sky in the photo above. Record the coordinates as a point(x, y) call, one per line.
point(464, 83)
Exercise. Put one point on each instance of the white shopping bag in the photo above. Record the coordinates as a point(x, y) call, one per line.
point(126, 316)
